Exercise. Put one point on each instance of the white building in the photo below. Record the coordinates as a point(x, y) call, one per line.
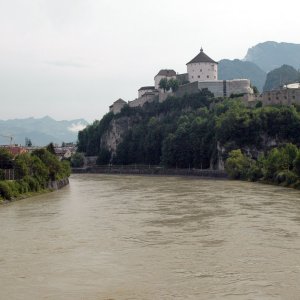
point(163, 74)
point(202, 68)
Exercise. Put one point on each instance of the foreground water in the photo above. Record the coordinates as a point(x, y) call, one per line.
point(139, 237)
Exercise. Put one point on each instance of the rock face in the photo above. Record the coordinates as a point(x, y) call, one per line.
point(114, 135)
point(271, 55)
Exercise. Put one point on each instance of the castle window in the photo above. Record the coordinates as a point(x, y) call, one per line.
point(215, 77)
point(200, 70)
point(198, 76)
point(207, 76)
point(269, 98)
point(192, 76)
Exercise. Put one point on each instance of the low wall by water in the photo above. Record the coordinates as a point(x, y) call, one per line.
point(58, 184)
point(150, 171)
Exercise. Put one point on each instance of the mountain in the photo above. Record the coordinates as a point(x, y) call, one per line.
point(40, 131)
point(271, 55)
point(234, 69)
point(280, 76)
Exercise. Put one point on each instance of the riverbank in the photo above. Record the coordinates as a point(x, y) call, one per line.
point(151, 170)
point(52, 186)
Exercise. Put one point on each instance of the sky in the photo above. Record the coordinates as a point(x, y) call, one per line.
point(71, 59)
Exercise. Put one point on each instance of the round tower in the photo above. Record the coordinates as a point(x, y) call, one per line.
point(202, 68)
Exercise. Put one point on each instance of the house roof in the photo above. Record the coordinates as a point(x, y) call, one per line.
point(166, 72)
point(120, 100)
point(202, 57)
point(147, 88)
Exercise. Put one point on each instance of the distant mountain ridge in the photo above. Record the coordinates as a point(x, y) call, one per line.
point(271, 55)
point(41, 131)
point(260, 60)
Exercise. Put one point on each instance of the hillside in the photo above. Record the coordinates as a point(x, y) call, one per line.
point(278, 77)
point(233, 69)
point(41, 131)
point(195, 131)
point(271, 55)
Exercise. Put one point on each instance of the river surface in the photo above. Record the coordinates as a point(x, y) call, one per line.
point(142, 237)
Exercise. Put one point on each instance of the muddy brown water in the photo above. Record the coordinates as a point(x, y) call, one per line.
point(142, 237)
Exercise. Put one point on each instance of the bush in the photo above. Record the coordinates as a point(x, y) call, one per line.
point(5, 190)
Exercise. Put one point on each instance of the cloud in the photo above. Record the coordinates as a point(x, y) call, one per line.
point(62, 63)
point(75, 127)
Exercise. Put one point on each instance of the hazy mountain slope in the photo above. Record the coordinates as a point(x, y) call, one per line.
point(234, 69)
point(40, 131)
point(271, 55)
point(280, 76)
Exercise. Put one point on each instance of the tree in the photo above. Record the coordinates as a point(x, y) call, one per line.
point(237, 165)
point(173, 84)
point(163, 84)
point(50, 148)
point(5, 159)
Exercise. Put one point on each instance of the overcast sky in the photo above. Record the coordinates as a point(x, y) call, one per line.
point(72, 58)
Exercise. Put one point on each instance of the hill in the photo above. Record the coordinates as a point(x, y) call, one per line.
point(233, 69)
point(283, 75)
point(271, 55)
point(41, 131)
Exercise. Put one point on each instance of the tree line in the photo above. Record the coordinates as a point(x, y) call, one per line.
point(32, 171)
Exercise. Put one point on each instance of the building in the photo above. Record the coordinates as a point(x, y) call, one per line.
point(15, 149)
point(165, 73)
point(117, 106)
point(287, 95)
point(145, 89)
point(202, 73)
point(202, 68)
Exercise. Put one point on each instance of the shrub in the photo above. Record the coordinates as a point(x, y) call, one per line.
point(5, 190)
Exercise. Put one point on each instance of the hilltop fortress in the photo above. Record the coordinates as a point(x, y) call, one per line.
point(202, 73)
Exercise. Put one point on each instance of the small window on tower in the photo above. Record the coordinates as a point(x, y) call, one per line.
point(200, 70)
point(207, 76)
point(198, 76)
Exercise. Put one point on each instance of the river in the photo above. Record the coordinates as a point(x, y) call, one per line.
point(144, 237)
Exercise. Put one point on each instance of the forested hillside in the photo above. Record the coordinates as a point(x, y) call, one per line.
point(196, 131)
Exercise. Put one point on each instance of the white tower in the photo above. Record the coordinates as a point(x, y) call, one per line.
point(202, 68)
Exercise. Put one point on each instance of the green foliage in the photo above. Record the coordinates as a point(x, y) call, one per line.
point(173, 84)
point(33, 172)
point(5, 159)
point(278, 166)
point(238, 165)
point(163, 84)
point(77, 160)
point(103, 157)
